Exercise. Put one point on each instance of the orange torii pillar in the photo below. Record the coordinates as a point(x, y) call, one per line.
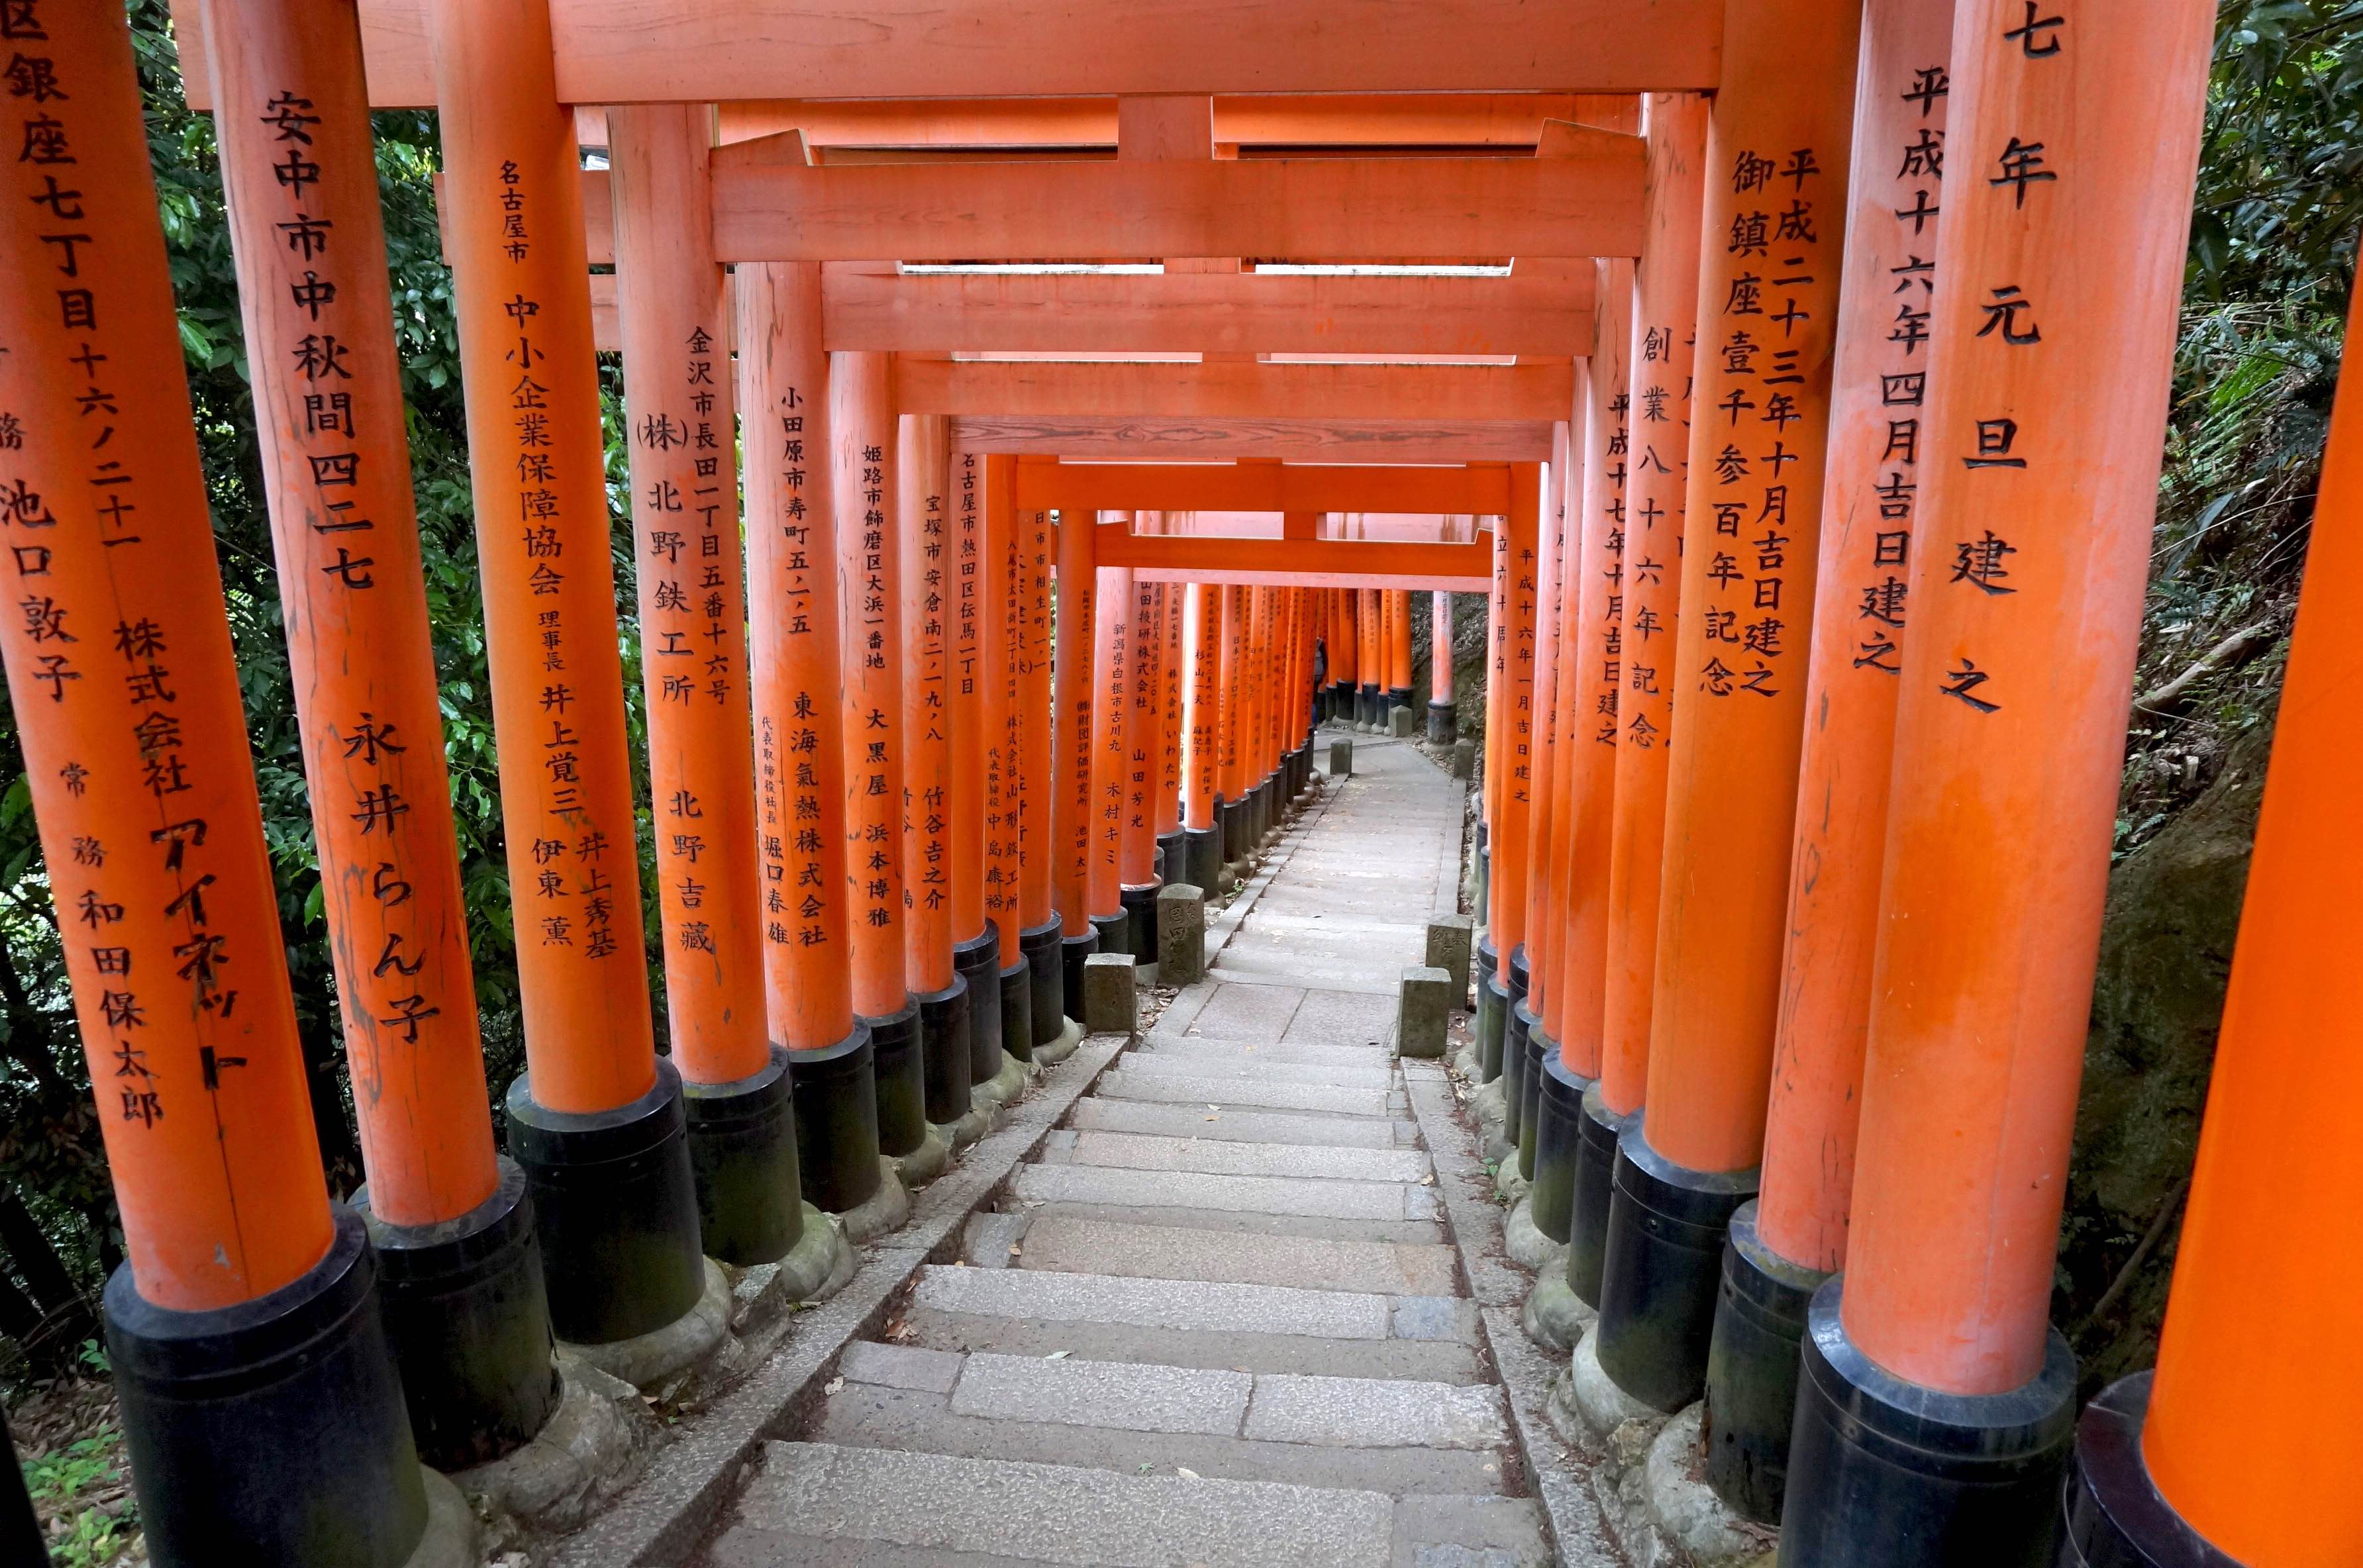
point(1000, 726)
point(795, 644)
point(1111, 764)
point(1935, 1404)
point(679, 424)
point(1344, 646)
point(1442, 713)
point(1520, 585)
point(1072, 816)
point(257, 1390)
point(1252, 689)
point(924, 531)
point(1781, 1249)
point(1492, 983)
point(1778, 144)
point(1371, 659)
point(450, 1217)
point(980, 699)
point(1173, 675)
point(862, 452)
point(1599, 630)
point(1201, 831)
point(1144, 750)
point(1264, 698)
point(1521, 1051)
point(1230, 808)
point(1041, 818)
point(1648, 603)
point(2230, 1453)
point(597, 1120)
point(1399, 686)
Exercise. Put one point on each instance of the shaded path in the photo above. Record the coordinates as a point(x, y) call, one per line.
point(1221, 1319)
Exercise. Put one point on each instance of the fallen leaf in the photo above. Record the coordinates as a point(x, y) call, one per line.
point(1211, 1118)
point(1014, 1249)
point(834, 1386)
point(1184, 1472)
point(1056, 1355)
point(1427, 1180)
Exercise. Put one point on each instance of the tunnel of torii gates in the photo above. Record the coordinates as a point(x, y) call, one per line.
point(1790, 917)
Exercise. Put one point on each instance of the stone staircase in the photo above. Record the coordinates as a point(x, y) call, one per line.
point(1218, 1319)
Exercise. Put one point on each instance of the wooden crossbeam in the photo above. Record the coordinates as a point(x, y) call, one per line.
point(1334, 208)
point(1109, 439)
point(1230, 391)
point(1299, 563)
point(1190, 313)
point(1482, 489)
point(631, 52)
point(1247, 122)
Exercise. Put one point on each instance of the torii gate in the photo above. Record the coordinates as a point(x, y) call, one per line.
point(1703, 352)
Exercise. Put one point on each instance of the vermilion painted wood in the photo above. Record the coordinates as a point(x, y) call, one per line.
point(1264, 487)
point(1038, 389)
point(862, 446)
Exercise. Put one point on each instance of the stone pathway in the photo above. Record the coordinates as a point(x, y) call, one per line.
point(1220, 1319)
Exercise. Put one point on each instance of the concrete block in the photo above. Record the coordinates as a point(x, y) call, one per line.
point(1102, 1393)
point(1426, 1010)
point(1403, 723)
point(1181, 935)
point(1450, 938)
point(1464, 759)
point(1341, 759)
point(1374, 1412)
point(1111, 1001)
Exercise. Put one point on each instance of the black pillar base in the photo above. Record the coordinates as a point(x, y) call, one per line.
point(1046, 971)
point(1664, 1265)
point(1233, 816)
point(742, 1152)
point(1596, 1131)
point(468, 1317)
point(1516, 1053)
point(1072, 950)
point(1115, 933)
point(614, 1206)
point(1443, 722)
point(273, 1432)
point(1140, 920)
point(1267, 798)
point(1172, 857)
point(898, 1070)
point(2115, 1515)
point(945, 1023)
point(1397, 697)
point(978, 961)
point(1484, 875)
point(1558, 1108)
point(1341, 702)
point(835, 1094)
point(1017, 1010)
point(1882, 1471)
point(1493, 1013)
point(1751, 1370)
point(1202, 858)
point(1540, 1048)
point(1369, 710)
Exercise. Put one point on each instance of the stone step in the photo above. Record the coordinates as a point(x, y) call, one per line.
point(1176, 1090)
point(1135, 1188)
point(1180, 1044)
point(1243, 962)
point(1142, 1152)
point(1194, 1121)
point(1375, 1071)
point(1070, 1243)
point(1050, 1513)
point(1250, 1328)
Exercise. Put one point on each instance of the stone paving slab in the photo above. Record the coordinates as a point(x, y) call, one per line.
point(1236, 968)
point(1180, 1090)
point(1124, 1394)
point(1200, 1189)
point(1185, 1044)
point(1068, 1243)
point(1155, 1304)
point(1194, 1121)
point(1414, 1233)
point(1053, 1513)
point(1218, 1156)
point(1373, 1073)
point(900, 1367)
point(1439, 1361)
point(1256, 1012)
point(1366, 1413)
point(1342, 1018)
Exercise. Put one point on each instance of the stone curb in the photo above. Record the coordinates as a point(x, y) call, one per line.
point(1558, 1475)
point(662, 1518)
